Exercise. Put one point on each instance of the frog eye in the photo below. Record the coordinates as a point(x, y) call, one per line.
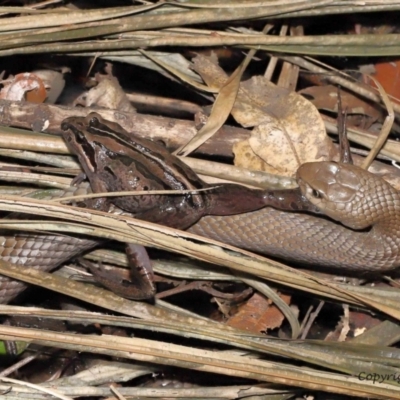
point(94, 121)
point(160, 142)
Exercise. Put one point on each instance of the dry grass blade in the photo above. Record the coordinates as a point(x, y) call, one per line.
point(176, 16)
point(386, 127)
point(39, 388)
point(334, 356)
point(219, 113)
point(203, 360)
point(341, 357)
point(356, 45)
point(65, 17)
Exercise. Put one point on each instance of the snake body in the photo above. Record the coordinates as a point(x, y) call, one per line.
point(358, 199)
point(365, 203)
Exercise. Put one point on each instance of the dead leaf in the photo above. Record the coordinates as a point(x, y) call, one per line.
point(54, 83)
point(288, 129)
point(107, 94)
point(258, 315)
point(25, 86)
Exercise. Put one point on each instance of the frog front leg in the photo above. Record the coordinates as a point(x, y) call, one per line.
point(97, 203)
point(141, 283)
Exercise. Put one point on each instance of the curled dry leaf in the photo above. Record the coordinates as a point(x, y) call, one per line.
point(25, 86)
point(54, 83)
point(288, 129)
point(107, 94)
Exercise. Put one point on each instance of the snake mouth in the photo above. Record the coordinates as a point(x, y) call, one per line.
point(312, 195)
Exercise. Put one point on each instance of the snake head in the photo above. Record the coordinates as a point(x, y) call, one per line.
point(346, 193)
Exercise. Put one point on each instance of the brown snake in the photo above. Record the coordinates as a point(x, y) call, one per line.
point(343, 192)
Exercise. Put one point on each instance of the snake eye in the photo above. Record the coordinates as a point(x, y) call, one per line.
point(316, 194)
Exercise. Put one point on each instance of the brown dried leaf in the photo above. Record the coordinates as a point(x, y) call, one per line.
point(258, 315)
point(107, 94)
point(288, 129)
point(25, 86)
